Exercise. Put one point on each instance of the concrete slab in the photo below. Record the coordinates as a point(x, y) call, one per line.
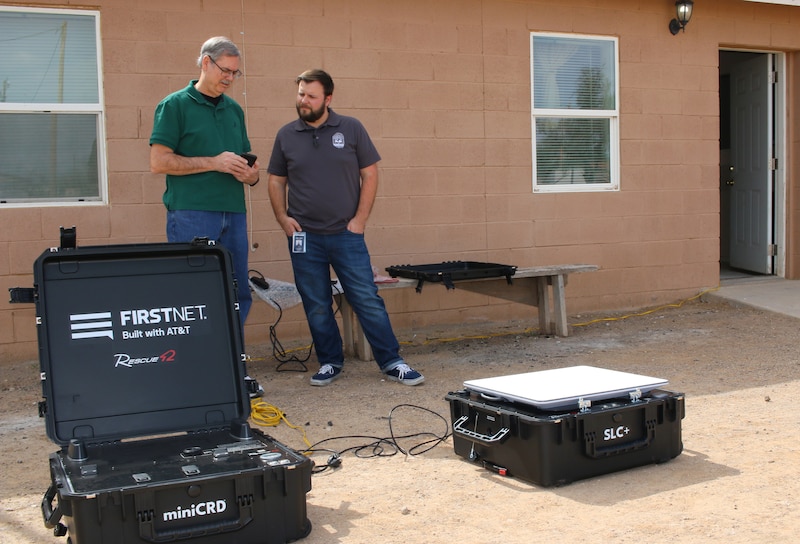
point(769, 293)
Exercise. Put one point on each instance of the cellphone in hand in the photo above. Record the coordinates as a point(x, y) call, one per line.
point(251, 159)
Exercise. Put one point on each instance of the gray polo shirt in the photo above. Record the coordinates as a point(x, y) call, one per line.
point(323, 169)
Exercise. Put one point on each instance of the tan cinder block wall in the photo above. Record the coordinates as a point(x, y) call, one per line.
point(444, 88)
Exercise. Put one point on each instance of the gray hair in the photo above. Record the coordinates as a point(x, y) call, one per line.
point(217, 47)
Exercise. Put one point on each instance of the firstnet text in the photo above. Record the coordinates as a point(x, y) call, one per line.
point(163, 315)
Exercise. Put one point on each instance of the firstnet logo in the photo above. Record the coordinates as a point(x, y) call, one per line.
point(194, 510)
point(101, 325)
point(93, 325)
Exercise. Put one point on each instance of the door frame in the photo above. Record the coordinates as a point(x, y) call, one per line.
point(779, 212)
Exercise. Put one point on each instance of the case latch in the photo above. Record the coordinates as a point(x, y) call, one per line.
point(202, 241)
point(22, 295)
point(69, 238)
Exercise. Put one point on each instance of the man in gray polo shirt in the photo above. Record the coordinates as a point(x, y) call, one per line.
point(329, 166)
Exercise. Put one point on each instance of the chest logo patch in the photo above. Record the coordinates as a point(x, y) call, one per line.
point(338, 140)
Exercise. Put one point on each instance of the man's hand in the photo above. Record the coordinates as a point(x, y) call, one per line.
point(164, 160)
point(289, 225)
point(357, 226)
point(276, 186)
point(236, 165)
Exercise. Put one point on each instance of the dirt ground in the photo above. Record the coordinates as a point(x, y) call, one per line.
point(736, 480)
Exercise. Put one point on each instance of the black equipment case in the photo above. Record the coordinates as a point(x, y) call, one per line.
point(556, 447)
point(142, 369)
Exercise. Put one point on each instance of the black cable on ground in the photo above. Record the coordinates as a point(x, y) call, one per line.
point(435, 440)
point(382, 446)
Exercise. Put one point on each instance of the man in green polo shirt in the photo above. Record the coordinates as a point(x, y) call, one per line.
point(198, 138)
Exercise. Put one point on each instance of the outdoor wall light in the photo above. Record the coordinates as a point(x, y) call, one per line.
point(683, 8)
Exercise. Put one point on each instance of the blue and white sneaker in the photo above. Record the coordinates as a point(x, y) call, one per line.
point(405, 374)
point(326, 374)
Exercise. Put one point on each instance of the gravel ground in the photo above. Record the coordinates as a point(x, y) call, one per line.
point(734, 481)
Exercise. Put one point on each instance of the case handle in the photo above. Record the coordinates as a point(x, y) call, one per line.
point(596, 452)
point(474, 436)
point(52, 515)
point(148, 532)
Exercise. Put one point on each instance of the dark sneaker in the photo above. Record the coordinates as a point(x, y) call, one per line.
point(326, 374)
point(254, 390)
point(405, 374)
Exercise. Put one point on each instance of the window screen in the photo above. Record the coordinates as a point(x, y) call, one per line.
point(574, 113)
point(51, 129)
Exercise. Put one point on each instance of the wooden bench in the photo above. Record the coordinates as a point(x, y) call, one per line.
point(531, 286)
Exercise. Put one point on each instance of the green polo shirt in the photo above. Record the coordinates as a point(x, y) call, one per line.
point(191, 126)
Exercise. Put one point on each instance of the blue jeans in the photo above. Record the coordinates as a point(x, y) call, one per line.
point(347, 253)
point(225, 228)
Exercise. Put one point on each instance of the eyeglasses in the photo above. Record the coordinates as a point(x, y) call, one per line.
point(235, 74)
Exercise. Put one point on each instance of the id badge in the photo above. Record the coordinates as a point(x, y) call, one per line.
point(299, 242)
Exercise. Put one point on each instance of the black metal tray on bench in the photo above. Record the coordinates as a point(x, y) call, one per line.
point(451, 271)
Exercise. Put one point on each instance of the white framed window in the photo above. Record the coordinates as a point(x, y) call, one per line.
point(574, 112)
point(52, 136)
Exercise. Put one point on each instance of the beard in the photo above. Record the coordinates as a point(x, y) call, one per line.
point(312, 115)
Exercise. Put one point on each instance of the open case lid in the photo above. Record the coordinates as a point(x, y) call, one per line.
point(138, 340)
point(563, 388)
